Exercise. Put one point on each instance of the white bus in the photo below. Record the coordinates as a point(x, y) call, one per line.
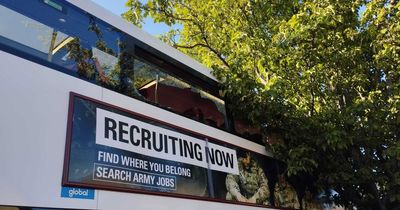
point(96, 114)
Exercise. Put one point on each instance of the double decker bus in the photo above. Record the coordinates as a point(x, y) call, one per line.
point(96, 114)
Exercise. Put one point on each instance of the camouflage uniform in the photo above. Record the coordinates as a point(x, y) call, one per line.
point(250, 185)
point(311, 204)
point(285, 196)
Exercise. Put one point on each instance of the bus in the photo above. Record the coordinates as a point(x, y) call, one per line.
point(97, 114)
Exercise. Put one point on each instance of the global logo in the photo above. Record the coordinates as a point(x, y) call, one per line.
point(75, 192)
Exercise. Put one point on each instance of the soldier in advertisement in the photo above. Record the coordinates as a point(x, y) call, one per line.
point(309, 203)
point(251, 185)
point(285, 194)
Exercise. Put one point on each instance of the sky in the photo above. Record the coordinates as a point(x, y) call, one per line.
point(118, 7)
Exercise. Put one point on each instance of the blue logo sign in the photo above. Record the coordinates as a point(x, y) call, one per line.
point(75, 192)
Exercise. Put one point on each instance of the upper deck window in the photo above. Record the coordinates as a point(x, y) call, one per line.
point(73, 41)
point(70, 40)
point(177, 95)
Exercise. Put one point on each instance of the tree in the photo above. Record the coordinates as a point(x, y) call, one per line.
point(323, 75)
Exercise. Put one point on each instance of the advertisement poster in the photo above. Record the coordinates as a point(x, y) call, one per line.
point(110, 148)
point(115, 149)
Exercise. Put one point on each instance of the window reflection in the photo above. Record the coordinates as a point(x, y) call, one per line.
point(246, 130)
point(84, 50)
point(29, 33)
point(88, 48)
point(178, 96)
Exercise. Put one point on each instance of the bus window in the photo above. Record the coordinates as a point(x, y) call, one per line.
point(77, 42)
point(83, 46)
point(246, 130)
point(179, 96)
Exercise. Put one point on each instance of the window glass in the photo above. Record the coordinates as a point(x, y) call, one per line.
point(172, 93)
point(246, 130)
point(40, 35)
point(75, 41)
point(83, 46)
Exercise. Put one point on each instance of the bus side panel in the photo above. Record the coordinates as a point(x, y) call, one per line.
point(33, 119)
point(33, 122)
point(122, 201)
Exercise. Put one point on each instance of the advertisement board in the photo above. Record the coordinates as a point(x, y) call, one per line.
point(116, 149)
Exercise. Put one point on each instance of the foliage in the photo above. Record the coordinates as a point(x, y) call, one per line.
point(323, 74)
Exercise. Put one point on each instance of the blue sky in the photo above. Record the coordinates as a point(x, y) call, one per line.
point(118, 7)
